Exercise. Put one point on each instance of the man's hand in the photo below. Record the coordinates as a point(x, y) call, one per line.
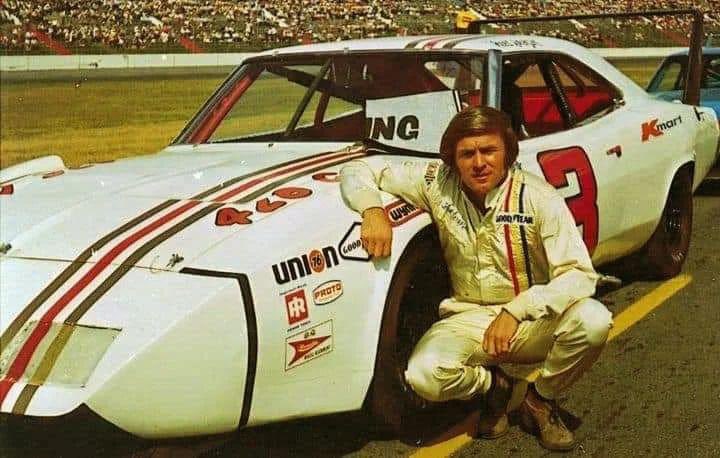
point(376, 232)
point(497, 336)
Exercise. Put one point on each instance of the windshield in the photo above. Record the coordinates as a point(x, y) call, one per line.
point(345, 97)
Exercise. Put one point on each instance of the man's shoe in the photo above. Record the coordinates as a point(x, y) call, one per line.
point(493, 416)
point(541, 417)
point(491, 426)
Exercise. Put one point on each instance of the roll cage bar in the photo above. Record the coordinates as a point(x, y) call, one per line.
point(691, 92)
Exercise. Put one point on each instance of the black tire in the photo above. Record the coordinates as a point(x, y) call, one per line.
point(418, 285)
point(663, 255)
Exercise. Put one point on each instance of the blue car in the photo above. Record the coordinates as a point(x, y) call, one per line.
point(668, 81)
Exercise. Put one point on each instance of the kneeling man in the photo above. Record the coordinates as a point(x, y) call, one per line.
point(520, 273)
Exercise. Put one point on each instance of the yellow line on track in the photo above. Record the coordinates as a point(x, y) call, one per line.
point(621, 323)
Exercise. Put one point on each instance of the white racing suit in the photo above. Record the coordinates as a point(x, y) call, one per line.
point(525, 256)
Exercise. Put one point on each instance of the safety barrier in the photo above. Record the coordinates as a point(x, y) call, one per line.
point(132, 61)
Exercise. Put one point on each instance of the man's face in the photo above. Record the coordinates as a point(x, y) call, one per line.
point(480, 162)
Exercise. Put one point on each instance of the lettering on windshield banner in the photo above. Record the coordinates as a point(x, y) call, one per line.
point(407, 128)
point(653, 128)
point(314, 262)
point(350, 247)
point(517, 43)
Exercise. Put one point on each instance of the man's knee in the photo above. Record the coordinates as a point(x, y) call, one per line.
point(429, 377)
point(594, 321)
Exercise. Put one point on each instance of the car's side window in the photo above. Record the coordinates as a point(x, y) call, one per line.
point(712, 73)
point(670, 78)
point(587, 93)
point(528, 99)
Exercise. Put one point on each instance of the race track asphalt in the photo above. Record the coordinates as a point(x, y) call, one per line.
point(654, 392)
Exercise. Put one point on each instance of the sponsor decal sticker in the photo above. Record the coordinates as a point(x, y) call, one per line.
point(308, 345)
point(400, 212)
point(350, 246)
point(327, 292)
point(316, 261)
point(653, 128)
point(7, 190)
point(514, 218)
point(296, 306)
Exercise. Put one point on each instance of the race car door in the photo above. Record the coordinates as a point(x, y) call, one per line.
point(571, 128)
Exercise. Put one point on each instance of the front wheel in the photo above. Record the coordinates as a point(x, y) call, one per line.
point(667, 249)
point(419, 283)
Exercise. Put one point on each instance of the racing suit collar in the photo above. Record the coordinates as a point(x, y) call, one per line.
point(493, 197)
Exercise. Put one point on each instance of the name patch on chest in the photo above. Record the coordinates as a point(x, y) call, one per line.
point(514, 218)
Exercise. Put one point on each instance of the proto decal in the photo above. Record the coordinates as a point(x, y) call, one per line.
point(514, 218)
point(296, 306)
point(654, 129)
point(350, 246)
point(400, 212)
point(308, 345)
point(7, 190)
point(229, 216)
point(327, 292)
point(407, 128)
point(316, 261)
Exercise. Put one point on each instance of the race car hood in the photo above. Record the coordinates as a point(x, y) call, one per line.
point(108, 275)
point(179, 194)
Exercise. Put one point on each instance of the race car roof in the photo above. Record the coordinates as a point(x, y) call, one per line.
point(464, 42)
point(436, 42)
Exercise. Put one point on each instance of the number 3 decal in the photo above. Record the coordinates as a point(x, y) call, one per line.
point(556, 165)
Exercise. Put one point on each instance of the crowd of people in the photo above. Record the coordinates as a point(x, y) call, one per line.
point(146, 25)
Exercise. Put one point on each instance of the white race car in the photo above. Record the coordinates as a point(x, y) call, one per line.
point(221, 283)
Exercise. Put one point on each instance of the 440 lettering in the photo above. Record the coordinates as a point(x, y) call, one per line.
point(229, 216)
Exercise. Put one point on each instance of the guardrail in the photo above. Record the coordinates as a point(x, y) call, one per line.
point(132, 61)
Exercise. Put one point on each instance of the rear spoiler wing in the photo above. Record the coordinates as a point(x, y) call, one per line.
point(691, 92)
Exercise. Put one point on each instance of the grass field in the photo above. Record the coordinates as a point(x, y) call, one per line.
point(102, 118)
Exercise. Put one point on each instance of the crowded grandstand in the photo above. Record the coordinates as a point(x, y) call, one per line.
point(111, 26)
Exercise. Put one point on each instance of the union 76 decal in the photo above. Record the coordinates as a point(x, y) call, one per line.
point(556, 165)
